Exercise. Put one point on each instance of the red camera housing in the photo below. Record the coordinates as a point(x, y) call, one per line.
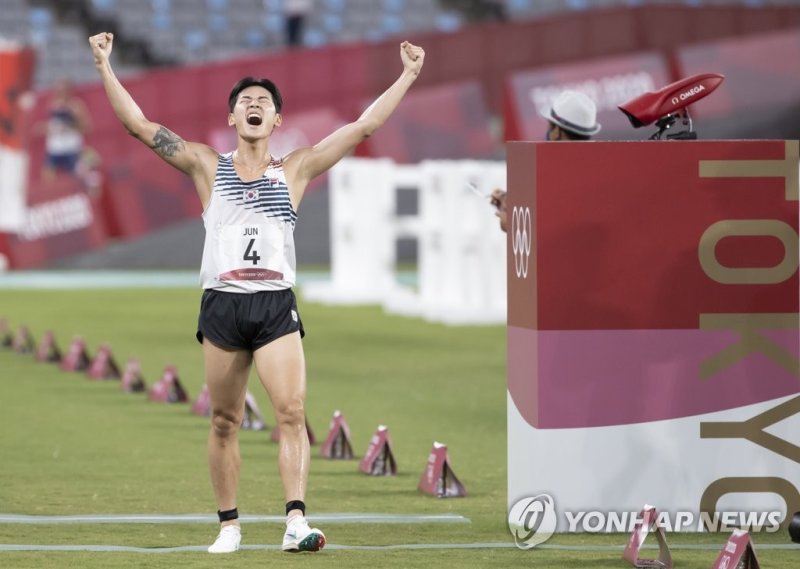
point(651, 106)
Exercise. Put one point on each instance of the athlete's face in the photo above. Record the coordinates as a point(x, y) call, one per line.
point(254, 114)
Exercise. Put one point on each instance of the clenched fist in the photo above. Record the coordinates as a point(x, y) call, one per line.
point(101, 45)
point(413, 56)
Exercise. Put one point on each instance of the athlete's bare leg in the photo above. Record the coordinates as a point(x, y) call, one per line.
point(281, 368)
point(226, 375)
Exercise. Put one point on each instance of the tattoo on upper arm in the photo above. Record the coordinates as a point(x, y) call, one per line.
point(167, 143)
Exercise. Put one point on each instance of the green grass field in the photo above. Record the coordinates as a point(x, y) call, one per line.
point(73, 446)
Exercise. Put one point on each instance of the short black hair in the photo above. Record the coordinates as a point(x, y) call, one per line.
point(243, 84)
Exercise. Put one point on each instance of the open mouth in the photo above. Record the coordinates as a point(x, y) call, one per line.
point(254, 119)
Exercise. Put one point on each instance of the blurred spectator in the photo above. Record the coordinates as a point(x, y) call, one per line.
point(67, 122)
point(296, 12)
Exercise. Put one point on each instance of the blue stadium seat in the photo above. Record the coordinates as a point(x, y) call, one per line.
point(195, 40)
point(335, 5)
point(273, 23)
point(392, 24)
point(217, 21)
point(254, 38)
point(394, 5)
point(578, 4)
point(314, 37)
point(162, 21)
point(161, 6)
point(41, 20)
point(332, 23)
point(518, 5)
point(104, 5)
point(448, 22)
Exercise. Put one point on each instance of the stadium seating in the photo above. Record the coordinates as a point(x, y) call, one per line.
point(191, 31)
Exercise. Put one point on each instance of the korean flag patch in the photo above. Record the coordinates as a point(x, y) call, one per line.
point(250, 195)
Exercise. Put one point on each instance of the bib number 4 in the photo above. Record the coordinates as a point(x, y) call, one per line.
point(251, 254)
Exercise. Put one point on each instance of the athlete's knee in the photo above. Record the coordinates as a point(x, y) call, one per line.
point(291, 413)
point(225, 425)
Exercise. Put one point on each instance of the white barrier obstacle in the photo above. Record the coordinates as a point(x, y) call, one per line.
point(461, 277)
point(361, 236)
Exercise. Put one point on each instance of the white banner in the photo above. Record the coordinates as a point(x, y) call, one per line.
point(681, 466)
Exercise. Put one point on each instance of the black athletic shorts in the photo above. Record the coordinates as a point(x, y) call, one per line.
point(247, 321)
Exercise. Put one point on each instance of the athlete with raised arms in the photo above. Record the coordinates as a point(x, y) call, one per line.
point(248, 313)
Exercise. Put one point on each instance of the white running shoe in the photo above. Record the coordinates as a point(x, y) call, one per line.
point(228, 540)
point(300, 537)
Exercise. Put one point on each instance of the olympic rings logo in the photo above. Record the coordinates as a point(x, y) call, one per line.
point(522, 235)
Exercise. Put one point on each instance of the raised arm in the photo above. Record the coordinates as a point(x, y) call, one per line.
point(185, 156)
point(307, 163)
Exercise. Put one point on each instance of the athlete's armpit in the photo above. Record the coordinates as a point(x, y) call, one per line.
point(167, 143)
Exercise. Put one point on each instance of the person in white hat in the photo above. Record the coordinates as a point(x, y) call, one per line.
point(573, 116)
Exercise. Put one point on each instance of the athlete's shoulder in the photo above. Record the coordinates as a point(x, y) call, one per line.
point(292, 160)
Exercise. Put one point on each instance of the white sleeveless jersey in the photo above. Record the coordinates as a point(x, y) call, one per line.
point(249, 244)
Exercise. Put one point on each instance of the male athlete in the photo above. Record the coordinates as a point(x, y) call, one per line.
point(248, 312)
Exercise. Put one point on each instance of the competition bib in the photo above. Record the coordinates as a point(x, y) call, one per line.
point(251, 252)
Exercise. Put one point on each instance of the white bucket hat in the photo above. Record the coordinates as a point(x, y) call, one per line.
point(575, 112)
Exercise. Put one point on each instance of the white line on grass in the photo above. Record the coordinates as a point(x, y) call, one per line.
point(340, 518)
point(202, 548)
